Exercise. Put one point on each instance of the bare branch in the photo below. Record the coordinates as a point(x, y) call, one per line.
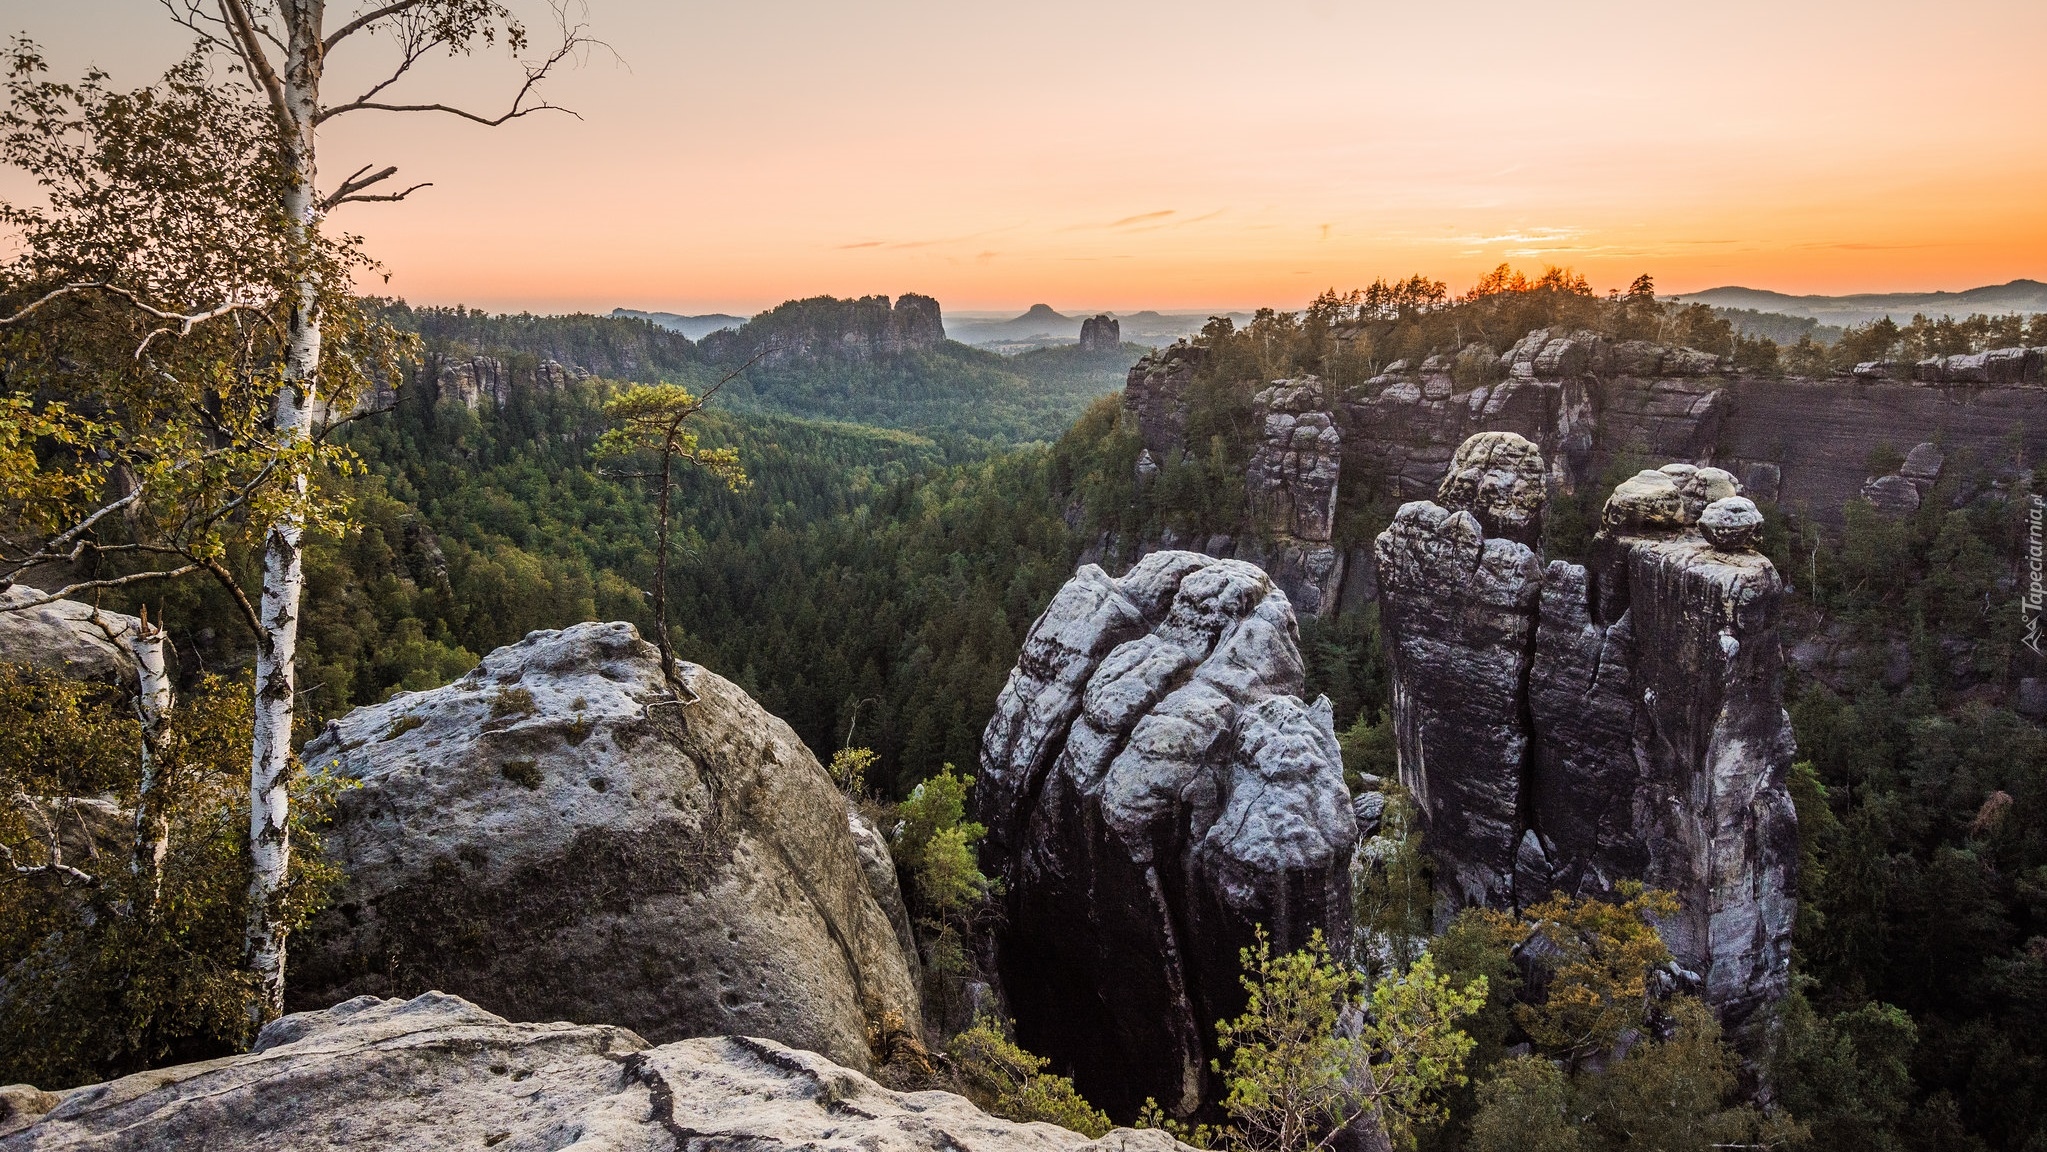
point(235, 14)
point(573, 41)
point(51, 548)
point(185, 321)
point(365, 20)
point(68, 590)
point(351, 188)
point(66, 871)
point(382, 196)
point(188, 14)
point(732, 375)
point(234, 590)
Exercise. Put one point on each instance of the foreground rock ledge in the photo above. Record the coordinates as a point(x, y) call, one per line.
point(439, 1072)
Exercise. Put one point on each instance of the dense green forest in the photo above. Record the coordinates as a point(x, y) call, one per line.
point(874, 583)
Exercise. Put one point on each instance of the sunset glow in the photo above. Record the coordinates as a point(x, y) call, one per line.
point(1198, 155)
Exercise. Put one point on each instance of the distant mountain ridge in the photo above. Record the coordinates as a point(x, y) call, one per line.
point(2024, 296)
point(694, 327)
point(1043, 326)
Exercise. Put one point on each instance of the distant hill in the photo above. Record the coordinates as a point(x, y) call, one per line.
point(1782, 327)
point(874, 361)
point(1043, 327)
point(2024, 296)
point(694, 327)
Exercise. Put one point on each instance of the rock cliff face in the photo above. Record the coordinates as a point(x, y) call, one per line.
point(1100, 334)
point(1587, 403)
point(824, 327)
point(1154, 789)
point(439, 1072)
point(1564, 728)
point(555, 836)
point(1155, 396)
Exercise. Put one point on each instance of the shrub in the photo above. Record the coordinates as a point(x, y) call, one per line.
point(1008, 1081)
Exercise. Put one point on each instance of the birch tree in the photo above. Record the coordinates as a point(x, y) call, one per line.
point(237, 301)
point(282, 48)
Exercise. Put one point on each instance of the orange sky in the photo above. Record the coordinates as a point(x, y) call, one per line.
point(1200, 155)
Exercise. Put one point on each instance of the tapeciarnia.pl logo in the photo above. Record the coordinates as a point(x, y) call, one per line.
point(2036, 560)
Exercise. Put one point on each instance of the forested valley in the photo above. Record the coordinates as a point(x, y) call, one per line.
point(323, 575)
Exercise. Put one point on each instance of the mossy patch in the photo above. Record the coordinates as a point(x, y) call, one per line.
point(511, 702)
point(403, 724)
point(525, 773)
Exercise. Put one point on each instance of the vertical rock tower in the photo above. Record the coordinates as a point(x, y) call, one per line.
point(1154, 790)
point(1566, 727)
point(1102, 333)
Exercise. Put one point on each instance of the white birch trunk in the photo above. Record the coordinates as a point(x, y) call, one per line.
point(153, 709)
point(283, 550)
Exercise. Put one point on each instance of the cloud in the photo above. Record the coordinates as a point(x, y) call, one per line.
point(1142, 217)
point(863, 244)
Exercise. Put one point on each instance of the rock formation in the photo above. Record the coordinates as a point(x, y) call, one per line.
point(439, 1072)
point(825, 327)
point(1154, 789)
point(556, 836)
point(1155, 396)
point(1587, 403)
point(1564, 727)
point(1292, 475)
point(1101, 334)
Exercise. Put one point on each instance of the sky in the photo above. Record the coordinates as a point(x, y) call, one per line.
point(1188, 155)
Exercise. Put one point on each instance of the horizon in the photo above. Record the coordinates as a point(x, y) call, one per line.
point(1187, 158)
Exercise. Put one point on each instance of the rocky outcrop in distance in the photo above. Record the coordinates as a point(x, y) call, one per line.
point(1563, 728)
point(439, 1072)
point(1588, 404)
point(559, 835)
point(824, 327)
point(1154, 789)
point(1101, 334)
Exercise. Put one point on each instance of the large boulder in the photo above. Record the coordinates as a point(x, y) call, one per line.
point(1155, 396)
point(1102, 333)
point(439, 1072)
point(1155, 790)
point(557, 835)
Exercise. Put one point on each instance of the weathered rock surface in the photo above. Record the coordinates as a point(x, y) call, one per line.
point(1154, 789)
point(1155, 396)
point(66, 636)
point(556, 837)
point(1566, 728)
point(1497, 477)
point(438, 1072)
point(1458, 610)
point(1292, 475)
point(1101, 334)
